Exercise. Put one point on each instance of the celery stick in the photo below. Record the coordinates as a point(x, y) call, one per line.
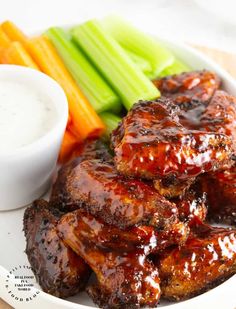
point(112, 61)
point(116, 109)
point(176, 68)
point(111, 122)
point(142, 63)
point(140, 43)
point(95, 88)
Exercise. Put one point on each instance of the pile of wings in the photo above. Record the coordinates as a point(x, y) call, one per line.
point(138, 213)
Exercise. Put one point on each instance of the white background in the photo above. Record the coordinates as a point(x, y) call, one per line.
point(183, 20)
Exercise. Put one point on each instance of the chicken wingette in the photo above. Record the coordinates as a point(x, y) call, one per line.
point(96, 186)
point(151, 143)
point(207, 259)
point(57, 268)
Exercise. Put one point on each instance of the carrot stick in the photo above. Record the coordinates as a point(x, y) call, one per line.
point(15, 53)
point(69, 120)
point(85, 121)
point(68, 145)
point(13, 39)
point(13, 32)
point(4, 40)
point(14, 50)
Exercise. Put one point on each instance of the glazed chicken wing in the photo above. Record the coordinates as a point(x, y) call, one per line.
point(221, 194)
point(151, 143)
point(97, 187)
point(126, 281)
point(91, 149)
point(188, 89)
point(193, 206)
point(220, 115)
point(57, 268)
point(207, 259)
point(126, 278)
point(220, 186)
point(109, 237)
point(203, 106)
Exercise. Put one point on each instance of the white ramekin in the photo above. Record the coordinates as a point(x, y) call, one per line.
point(26, 173)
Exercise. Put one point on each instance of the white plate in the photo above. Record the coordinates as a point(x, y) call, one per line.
point(12, 242)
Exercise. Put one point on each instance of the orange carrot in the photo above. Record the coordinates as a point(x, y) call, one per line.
point(69, 120)
point(68, 145)
point(15, 53)
point(13, 40)
point(4, 40)
point(85, 121)
point(13, 32)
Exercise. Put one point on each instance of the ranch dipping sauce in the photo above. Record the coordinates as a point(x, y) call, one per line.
point(25, 115)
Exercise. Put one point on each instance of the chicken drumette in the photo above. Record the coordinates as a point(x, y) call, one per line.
point(57, 268)
point(207, 259)
point(126, 277)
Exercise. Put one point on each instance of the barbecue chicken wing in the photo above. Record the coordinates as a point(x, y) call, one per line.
point(91, 149)
point(203, 107)
point(97, 187)
point(220, 115)
point(221, 194)
point(193, 206)
point(126, 278)
point(125, 281)
point(57, 268)
point(111, 238)
point(188, 89)
point(207, 259)
point(151, 143)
